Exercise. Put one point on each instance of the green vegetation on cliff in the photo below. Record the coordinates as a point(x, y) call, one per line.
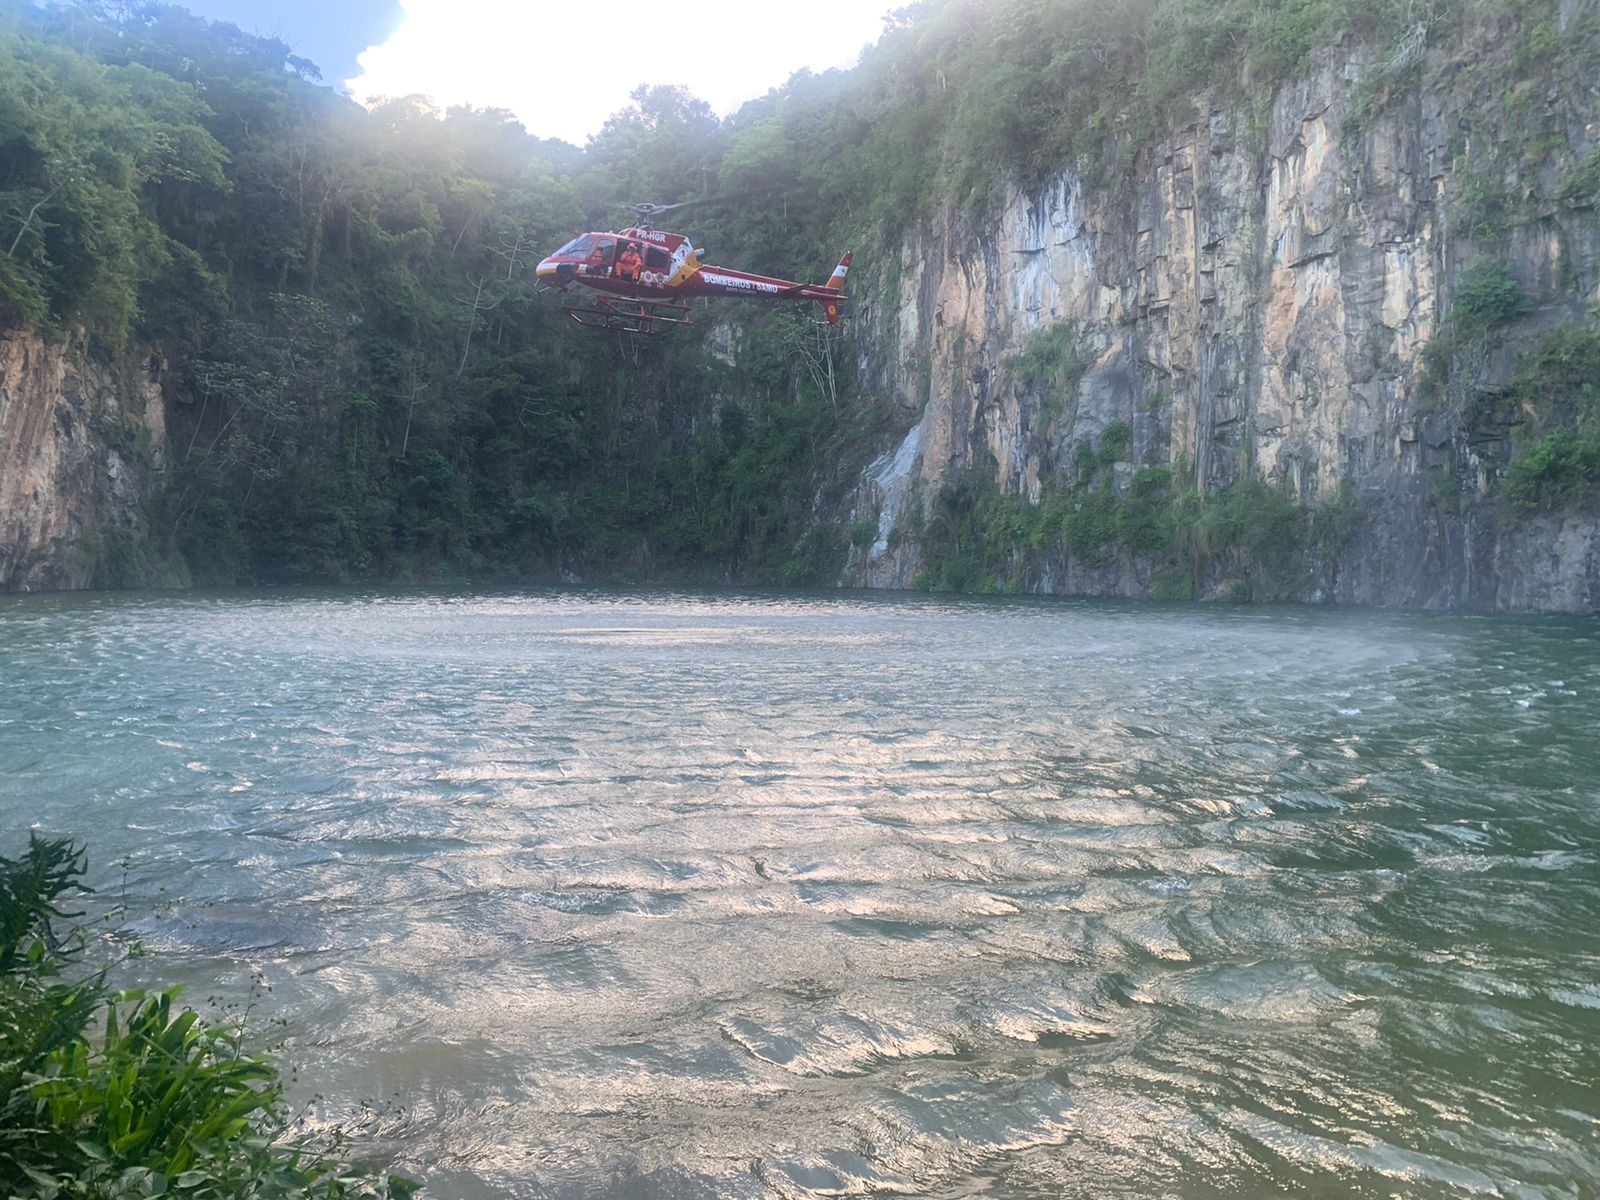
point(363, 384)
point(1260, 543)
point(1559, 463)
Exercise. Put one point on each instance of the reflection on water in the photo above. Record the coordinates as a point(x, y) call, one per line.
point(784, 896)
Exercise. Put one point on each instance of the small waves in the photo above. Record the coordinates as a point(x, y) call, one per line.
point(794, 896)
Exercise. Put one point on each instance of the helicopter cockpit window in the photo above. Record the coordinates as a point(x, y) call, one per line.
point(600, 254)
point(578, 245)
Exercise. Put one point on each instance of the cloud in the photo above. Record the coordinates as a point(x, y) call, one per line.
point(564, 67)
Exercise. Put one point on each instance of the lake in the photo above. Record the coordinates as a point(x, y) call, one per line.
point(603, 894)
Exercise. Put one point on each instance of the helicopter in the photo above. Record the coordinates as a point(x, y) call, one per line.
point(645, 276)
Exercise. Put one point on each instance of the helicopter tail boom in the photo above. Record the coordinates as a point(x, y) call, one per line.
point(831, 294)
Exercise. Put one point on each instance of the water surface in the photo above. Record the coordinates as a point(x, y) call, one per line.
point(694, 896)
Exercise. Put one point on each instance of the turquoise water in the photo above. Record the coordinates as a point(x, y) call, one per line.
point(786, 895)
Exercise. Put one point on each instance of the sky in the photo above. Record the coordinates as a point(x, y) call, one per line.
point(562, 66)
point(328, 32)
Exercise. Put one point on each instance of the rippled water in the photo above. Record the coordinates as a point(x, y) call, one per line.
point(682, 896)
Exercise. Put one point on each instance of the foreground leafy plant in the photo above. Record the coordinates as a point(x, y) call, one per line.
point(122, 1094)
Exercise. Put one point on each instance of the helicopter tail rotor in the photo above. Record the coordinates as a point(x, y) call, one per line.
point(830, 295)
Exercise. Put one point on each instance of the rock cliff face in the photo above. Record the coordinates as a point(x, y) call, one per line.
point(1257, 298)
point(80, 444)
point(1253, 293)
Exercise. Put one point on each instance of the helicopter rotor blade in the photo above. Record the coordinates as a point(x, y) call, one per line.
point(649, 212)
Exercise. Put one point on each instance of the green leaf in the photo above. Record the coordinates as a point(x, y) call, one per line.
point(49, 1183)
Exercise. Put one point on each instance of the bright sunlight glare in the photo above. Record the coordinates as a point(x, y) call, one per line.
point(562, 68)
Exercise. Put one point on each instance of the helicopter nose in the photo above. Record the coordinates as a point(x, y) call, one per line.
point(555, 272)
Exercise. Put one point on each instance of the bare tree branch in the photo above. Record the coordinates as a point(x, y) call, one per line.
point(28, 220)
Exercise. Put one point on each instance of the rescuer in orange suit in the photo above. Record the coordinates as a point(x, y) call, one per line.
point(630, 264)
point(600, 258)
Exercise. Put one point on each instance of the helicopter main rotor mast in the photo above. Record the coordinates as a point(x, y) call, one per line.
point(645, 214)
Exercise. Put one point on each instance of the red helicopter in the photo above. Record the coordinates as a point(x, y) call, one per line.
point(645, 276)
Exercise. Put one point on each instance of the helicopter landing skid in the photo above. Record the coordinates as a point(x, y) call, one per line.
point(630, 315)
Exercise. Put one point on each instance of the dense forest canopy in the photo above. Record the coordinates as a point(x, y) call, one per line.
point(143, 128)
point(365, 383)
